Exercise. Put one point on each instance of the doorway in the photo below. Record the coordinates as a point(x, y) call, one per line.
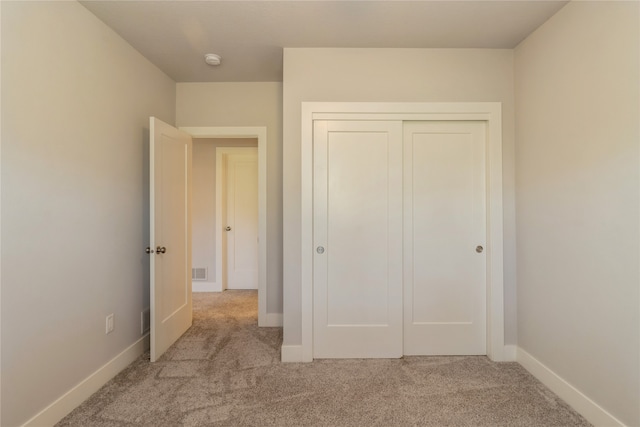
point(170, 225)
point(260, 134)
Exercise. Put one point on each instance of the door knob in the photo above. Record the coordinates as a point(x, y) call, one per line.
point(320, 250)
point(227, 228)
point(161, 249)
point(148, 250)
point(479, 249)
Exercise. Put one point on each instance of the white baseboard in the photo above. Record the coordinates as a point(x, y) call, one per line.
point(509, 353)
point(205, 287)
point(291, 353)
point(271, 320)
point(81, 392)
point(586, 407)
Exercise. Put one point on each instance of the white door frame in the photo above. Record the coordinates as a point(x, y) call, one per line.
point(259, 132)
point(221, 170)
point(489, 112)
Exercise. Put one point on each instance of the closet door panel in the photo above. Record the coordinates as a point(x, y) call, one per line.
point(358, 239)
point(444, 238)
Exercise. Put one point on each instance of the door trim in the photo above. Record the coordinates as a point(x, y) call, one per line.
point(489, 112)
point(259, 132)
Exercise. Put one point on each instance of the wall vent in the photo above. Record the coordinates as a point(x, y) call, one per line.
point(198, 273)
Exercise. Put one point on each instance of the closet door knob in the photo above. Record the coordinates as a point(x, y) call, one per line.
point(479, 249)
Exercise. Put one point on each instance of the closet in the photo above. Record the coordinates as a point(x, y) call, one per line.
point(399, 238)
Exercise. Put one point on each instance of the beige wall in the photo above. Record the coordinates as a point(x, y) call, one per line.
point(246, 104)
point(428, 75)
point(203, 209)
point(76, 101)
point(577, 92)
point(204, 201)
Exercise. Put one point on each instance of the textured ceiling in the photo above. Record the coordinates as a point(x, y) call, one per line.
point(250, 35)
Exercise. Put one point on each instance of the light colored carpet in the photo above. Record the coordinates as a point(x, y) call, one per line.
point(225, 371)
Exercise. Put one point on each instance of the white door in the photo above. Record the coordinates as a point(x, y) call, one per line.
point(242, 218)
point(357, 239)
point(444, 238)
point(170, 212)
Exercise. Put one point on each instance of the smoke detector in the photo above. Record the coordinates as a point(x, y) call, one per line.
point(212, 59)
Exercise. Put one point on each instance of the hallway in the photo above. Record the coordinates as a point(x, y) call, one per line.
point(226, 371)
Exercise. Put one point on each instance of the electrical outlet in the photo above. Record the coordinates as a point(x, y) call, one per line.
point(145, 321)
point(110, 324)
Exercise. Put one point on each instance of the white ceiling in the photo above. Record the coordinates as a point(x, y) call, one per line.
point(250, 35)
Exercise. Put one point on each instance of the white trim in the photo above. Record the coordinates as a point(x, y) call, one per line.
point(509, 353)
point(586, 407)
point(0, 222)
point(205, 287)
point(220, 270)
point(272, 320)
point(259, 132)
point(291, 353)
point(62, 406)
point(491, 112)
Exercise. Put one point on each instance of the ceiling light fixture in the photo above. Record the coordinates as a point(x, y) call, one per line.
point(212, 59)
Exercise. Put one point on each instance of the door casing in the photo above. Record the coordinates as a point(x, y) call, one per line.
point(489, 112)
point(260, 133)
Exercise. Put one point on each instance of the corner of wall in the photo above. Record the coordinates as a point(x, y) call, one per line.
point(586, 407)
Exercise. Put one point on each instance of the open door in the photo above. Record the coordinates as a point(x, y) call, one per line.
point(170, 246)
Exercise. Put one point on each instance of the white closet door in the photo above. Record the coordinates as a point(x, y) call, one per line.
point(444, 238)
point(357, 239)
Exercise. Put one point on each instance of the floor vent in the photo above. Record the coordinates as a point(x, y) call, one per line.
point(198, 274)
